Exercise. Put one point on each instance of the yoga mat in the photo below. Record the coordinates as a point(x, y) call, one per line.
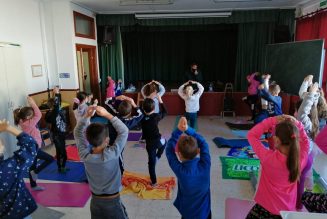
point(61, 194)
point(134, 136)
point(231, 143)
point(243, 152)
point(240, 133)
point(317, 188)
point(238, 168)
point(237, 208)
point(140, 185)
point(72, 153)
point(75, 174)
point(177, 120)
point(239, 126)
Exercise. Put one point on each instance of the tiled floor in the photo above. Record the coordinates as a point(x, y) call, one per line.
point(136, 160)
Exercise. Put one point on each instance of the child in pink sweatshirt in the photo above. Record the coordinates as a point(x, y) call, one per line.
point(254, 80)
point(110, 88)
point(28, 118)
point(280, 168)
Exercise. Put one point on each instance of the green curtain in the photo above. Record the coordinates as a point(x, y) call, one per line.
point(252, 40)
point(111, 60)
point(166, 54)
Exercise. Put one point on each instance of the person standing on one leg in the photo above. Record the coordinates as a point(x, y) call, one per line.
point(155, 145)
point(193, 173)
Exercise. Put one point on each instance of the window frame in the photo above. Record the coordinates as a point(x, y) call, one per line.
point(92, 25)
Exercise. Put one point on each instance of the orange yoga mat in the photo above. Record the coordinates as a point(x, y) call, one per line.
point(140, 185)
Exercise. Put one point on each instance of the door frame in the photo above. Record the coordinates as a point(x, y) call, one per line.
point(94, 77)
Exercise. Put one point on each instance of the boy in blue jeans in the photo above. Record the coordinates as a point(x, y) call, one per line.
point(192, 171)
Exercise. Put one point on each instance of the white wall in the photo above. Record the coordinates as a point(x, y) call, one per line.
point(20, 23)
point(309, 7)
point(45, 31)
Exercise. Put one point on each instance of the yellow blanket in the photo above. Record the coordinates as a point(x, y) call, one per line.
point(140, 184)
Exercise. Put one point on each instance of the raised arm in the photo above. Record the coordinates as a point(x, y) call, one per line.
point(181, 91)
point(200, 91)
point(162, 89)
point(163, 111)
point(81, 142)
point(255, 134)
point(27, 145)
point(173, 161)
point(202, 144)
point(304, 86)
point(37, 113)
point(121, 129)
point(305, 108)
point(134, 120)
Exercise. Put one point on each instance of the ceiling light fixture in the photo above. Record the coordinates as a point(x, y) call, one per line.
point(145, 2)
point(182, 15)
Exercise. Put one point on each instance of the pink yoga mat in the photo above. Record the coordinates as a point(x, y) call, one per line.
point(62, 194)
point(237, 208)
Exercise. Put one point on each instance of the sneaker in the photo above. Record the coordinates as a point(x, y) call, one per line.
point(38, 188)
point(33, 175)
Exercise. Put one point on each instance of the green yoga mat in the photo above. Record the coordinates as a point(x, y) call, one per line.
point(177, 119)
point(316, 187)
point(238, 168)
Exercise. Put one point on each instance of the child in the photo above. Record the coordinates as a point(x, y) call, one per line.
point(56, 118)
point(151, 91)
point(124, 113)
point(254, 80)
point(280, 168)
point(193, 172)
point(191, 99)
point(80, 105)
point(102, 163)
point(110, 88)
point(28, 118)
point(119, 88)
point(16, 201)
point(315, 202)
point(155, 146)
point(307, 113)
point(274, 101)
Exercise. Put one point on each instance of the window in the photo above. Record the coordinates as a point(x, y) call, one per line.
point(84, 26)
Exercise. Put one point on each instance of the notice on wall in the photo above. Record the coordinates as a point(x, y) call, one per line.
point(64, 75)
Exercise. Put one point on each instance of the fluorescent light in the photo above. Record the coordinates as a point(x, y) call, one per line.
point(183, 15)
point(221, 1)
point(145, 2)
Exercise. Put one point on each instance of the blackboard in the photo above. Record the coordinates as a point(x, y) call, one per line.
point(289, 63)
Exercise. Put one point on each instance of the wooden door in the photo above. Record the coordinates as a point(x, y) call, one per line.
point(87, 70)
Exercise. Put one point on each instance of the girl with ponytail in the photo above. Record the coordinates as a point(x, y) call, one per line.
point(280, 167)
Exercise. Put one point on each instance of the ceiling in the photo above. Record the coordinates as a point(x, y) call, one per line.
point(114, 7)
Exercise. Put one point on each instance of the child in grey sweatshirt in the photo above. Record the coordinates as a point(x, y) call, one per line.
point(102, 163)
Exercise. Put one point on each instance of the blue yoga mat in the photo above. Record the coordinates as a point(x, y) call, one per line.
point(242, 133)
point(75, 174)
point(232, 143)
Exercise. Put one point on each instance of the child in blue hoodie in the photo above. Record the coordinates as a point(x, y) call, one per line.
point(269, 93)
point(192, 172)
point(16, 201)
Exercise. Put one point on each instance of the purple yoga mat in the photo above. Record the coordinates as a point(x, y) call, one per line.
point(134, 136)
point(62, 194)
